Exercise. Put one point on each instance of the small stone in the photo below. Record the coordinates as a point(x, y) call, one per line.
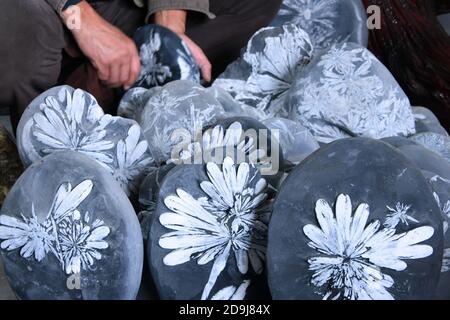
point(165, 57)
point(208, 236)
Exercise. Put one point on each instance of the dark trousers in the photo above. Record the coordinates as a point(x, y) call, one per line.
point(37, 52)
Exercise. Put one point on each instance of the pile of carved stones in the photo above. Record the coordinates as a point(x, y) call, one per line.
point(303, 172)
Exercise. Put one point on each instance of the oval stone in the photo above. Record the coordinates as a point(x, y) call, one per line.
point(68, 231)
point(347, 92)
point(165, 57)
point(208, 235)
point(356, 220)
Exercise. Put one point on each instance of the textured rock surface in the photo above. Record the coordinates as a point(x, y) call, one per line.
point(357, 209)
point(68, 231)
point(208, 237)
point(267, 68)
point(296, 141)
point(347, 92)
point(164, 57)
point(63, 118)
point(175, 113)
point(326, 21)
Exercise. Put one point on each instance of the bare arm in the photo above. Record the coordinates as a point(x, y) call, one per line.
point(111, 52)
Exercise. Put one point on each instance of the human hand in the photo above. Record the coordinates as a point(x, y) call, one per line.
point(175, 20)
point(111, 52)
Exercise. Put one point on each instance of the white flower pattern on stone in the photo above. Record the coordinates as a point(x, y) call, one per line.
point(153, 73)
point(232, 292)
point(225, 222)
point(65, 232)
point(317, 17)
point(397, 215)
point(72, 122)
point(233, 137)
point(353, 254)
point(286, 51)
point(345, 96)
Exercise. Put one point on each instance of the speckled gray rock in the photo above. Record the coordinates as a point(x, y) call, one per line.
point(327, 21)
point(435, 142)
point(261, 77)
point(426, 121)
point(347, 92)
point(164, 57)
point(295, 140)
point(208, 236)
point(68, 231)
point(63, 118)
point(356, 210)
point(176, 113)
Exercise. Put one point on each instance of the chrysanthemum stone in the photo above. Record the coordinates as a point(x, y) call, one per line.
point(164, 57)
point(268, 66)
point(68, 231)
point(209, 233)
point(347, 92)
point(63, 118)
point(356, 220)
point(176, 113)
point(326, 21)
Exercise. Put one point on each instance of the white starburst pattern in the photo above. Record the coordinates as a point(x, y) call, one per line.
point(227, 221)
point(354, 254)
point(64, 232)
point(397, 215)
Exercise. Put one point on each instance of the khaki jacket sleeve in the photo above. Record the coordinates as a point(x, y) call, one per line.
point(201, 6)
